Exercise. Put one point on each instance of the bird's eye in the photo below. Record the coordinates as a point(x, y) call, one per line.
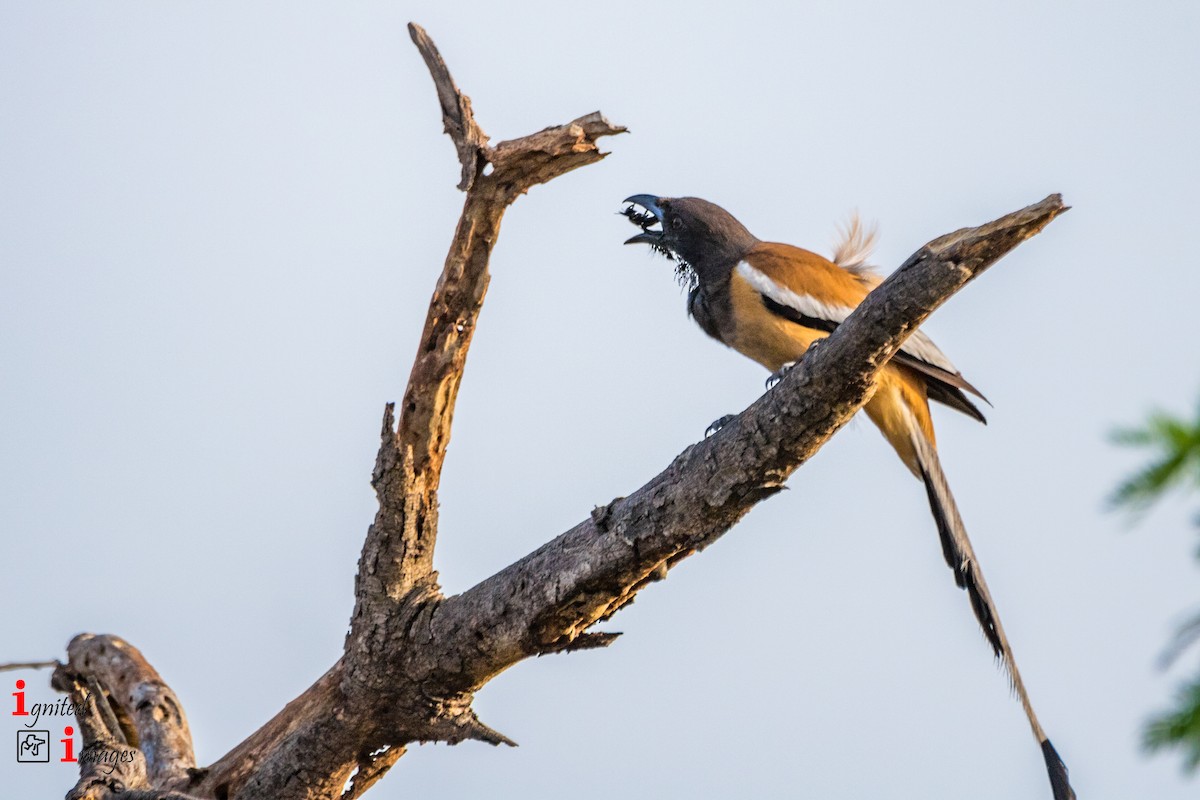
point(674, 221)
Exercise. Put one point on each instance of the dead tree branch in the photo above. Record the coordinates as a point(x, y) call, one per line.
point(135, 739)
point(413, 658)
point(582, 577)
point(24, 665)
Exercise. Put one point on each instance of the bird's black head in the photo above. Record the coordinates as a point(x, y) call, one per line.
point(704, 240)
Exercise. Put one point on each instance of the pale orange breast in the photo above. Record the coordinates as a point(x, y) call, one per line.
point(760, 335)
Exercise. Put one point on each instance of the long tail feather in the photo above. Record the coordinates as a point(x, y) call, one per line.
point(960, 556)
point(1059, 781)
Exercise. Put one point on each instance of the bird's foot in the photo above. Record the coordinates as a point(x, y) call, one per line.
point(718, 424)
point(776, 376)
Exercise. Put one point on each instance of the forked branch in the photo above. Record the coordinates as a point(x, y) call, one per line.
point(413, 658)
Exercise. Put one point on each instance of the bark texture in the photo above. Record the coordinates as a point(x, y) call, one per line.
point(414, 658)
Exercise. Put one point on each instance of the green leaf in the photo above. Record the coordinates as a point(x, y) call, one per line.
point(1179, 727)
point(1186, 636)
point(1174, 445)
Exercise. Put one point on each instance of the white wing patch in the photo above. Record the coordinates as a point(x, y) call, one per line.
point(922, 347)
point(806, 304)
point(918, 346)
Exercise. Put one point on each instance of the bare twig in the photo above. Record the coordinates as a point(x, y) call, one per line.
point(469, 139)
point(585, 641)
point(17, 665)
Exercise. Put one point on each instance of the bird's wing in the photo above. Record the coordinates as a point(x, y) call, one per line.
point(809, 290)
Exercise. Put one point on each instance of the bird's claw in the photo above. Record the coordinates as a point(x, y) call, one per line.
point(718, 424)
point(775, 377)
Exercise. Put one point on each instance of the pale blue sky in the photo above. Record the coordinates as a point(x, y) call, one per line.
point(219, 228)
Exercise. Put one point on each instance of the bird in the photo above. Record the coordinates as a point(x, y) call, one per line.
point(771, 302)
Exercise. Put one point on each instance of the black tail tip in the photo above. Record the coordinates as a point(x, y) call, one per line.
point(1058, 773)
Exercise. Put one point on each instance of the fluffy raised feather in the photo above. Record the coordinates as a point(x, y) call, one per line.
point(854, 246)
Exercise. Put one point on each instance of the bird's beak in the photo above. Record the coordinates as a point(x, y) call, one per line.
point(653, 216)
